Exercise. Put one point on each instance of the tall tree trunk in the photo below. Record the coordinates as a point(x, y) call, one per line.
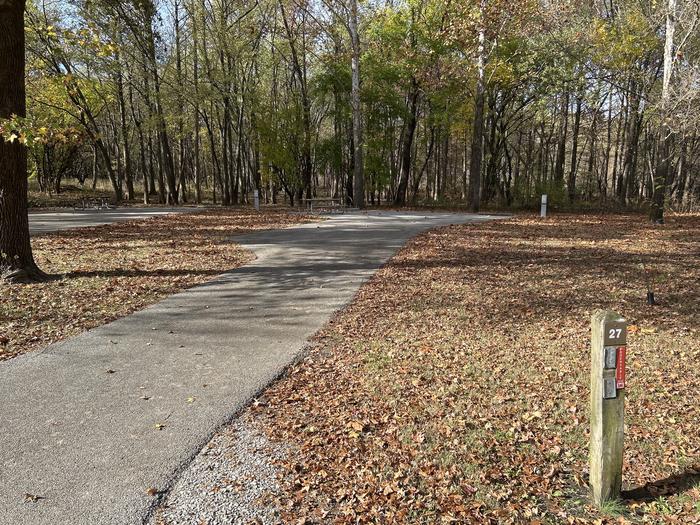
point(94, 166)
point(197, 139)
point(182, 183)
point(126, 152)
point(663, 159)
point(477, 150)
point(299, 67)
point(167, 164)
point(592, 151)
point(608, 148)
point(407, 148)
point(632, 145)
point(561, 144)
point(144, 166)
point(348, 180)
point(574, 152)
point(619, 139)
point(358, 173)
point(136, 117)
point(16, 259)
point(421, 172)
point(338, 137)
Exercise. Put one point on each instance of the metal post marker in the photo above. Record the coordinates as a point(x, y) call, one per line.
point(608, 355)
point(256, 199)
point(543, 206)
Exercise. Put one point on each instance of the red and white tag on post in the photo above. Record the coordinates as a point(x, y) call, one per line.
point(620, 367)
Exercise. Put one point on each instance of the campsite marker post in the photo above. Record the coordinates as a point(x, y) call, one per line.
point(608, 355)
point(543, 206)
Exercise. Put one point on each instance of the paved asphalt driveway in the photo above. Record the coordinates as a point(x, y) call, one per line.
point(91, 423)
point(49, 221)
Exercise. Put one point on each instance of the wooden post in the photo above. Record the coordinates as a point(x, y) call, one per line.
point(543, 206)
point(608, 353)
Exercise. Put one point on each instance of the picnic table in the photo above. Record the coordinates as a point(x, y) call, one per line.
point(330, 202)
point(101, 203)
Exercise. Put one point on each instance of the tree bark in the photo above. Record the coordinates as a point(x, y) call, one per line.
point(124, 128)
point(358, 172)
point(561, 145)
point(407, 149)
point(166, 157)
point(663, 159)
point(197, 138)
point(299, 68)
point(16, 259)
point(574, 152)
point(630, 160)
point(182, 183)
point(477, 150)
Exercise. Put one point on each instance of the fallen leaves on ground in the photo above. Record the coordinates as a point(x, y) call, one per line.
point(110, 271)
point(455, 388)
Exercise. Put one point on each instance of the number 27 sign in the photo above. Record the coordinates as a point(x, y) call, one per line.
point(615, 333)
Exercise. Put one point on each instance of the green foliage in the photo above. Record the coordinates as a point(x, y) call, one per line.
point(624, 43)
point(280, 148)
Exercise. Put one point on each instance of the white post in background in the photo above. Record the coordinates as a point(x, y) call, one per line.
point(543, 206)
point(256, 199)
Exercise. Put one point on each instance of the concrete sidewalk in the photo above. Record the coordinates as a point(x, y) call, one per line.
point(92, 423)
point(50, 221)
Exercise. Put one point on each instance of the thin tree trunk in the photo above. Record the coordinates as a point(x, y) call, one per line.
point(477, 150)
point(126, 152)
point(407, 150)
point(358, 173)
point(561, 145)
point(166, 156)
point(181, 107)
point(574, 152)
point(197, 139)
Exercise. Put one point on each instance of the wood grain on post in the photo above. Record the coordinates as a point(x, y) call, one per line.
point(607, 408)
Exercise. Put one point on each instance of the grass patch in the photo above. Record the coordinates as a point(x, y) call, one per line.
point(613, 508)
point(480, 415)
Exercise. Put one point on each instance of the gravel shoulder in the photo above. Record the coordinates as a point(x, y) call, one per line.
point(233, 480)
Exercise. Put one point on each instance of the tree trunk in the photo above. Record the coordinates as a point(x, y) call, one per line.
point(574, 152)
point(477, 150)
point(166, 157)
point(663, 159)
point(16, 259)
point(197, 139)
point(608, 148)
point(631, 146)
point(421, 172)
point(128, 175)
point(358, 172)
point(407, 149)
point(182, 183)
point(561, 146)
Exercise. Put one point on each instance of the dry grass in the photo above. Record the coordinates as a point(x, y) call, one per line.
point(455, 388)
point(110, 271)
